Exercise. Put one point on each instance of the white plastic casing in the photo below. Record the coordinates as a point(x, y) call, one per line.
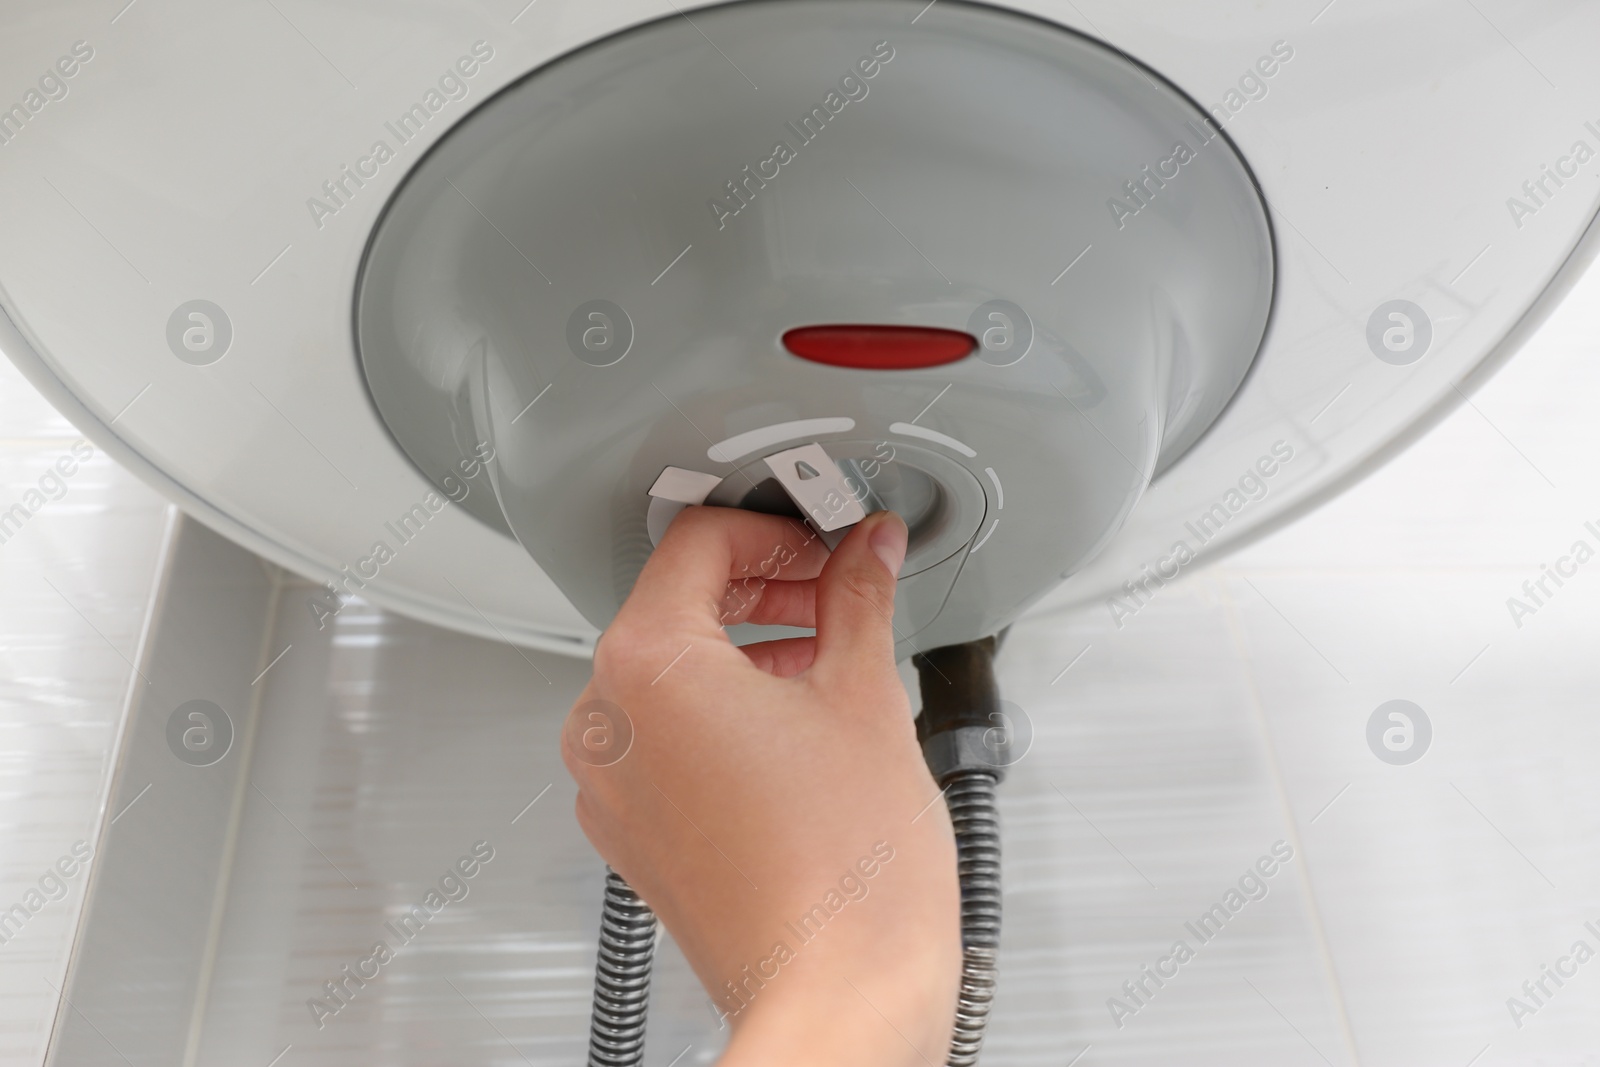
point(1405, 153)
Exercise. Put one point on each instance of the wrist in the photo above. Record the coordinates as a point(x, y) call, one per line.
point(843, 1017)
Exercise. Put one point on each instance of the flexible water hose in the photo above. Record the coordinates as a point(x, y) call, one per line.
point(966, 741)
point(959, 715)
point(628, 938)
point(971, 798)
point(621, 977)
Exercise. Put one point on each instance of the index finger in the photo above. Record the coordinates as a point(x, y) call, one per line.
point(686, 578)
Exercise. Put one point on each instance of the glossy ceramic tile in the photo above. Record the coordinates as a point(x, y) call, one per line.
point(1147, 795)
point(385, 750)
point(142, 965)
point(77, 566)
point(1449, 882)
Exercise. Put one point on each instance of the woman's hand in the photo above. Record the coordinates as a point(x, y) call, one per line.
point(773, 807)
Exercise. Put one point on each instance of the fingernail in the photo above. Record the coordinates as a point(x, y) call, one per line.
point(888, 542)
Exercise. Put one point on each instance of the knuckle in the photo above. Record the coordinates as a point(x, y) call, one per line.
point(629, 654)
point(617, 648)
point(742, 598)
point(873, 588)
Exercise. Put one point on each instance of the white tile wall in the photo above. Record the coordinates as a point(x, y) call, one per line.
point(75, 581)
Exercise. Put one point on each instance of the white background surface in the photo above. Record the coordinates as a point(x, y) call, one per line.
point(1226, 714)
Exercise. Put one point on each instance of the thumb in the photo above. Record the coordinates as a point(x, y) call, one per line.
point(855, 597)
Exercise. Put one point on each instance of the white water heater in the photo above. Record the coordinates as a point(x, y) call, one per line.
point(453, 308)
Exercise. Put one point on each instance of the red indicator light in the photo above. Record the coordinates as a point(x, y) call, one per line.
point(879, 347)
